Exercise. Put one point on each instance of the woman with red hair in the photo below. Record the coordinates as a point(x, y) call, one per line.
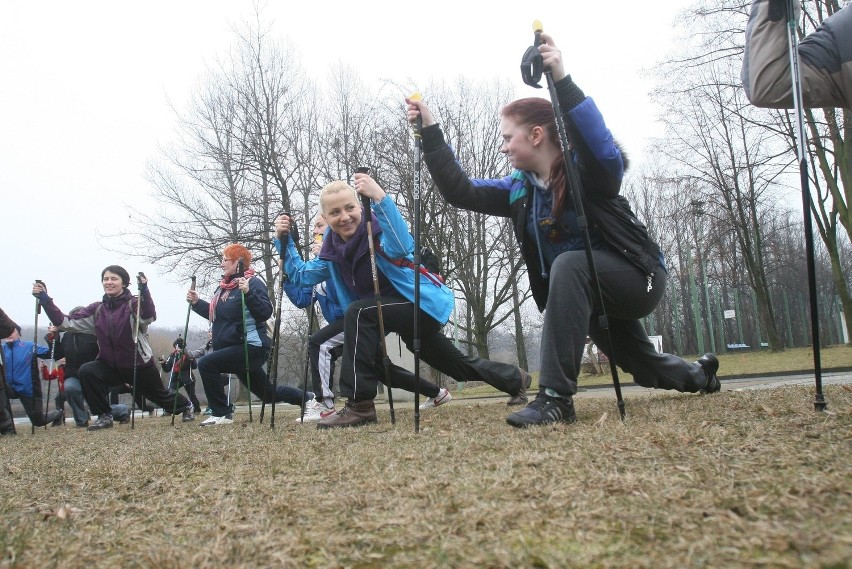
point(231, 340)
point(536, 197)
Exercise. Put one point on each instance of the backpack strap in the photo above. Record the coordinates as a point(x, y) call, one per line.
point(436, 279)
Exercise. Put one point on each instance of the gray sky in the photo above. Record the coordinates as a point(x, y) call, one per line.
point(86, 87)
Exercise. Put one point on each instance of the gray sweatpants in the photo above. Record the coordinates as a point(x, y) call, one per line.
point(572, 314)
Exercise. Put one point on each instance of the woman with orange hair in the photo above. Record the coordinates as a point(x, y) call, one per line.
point(231, 339)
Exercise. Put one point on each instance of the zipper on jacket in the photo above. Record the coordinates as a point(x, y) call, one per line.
point(650, 279)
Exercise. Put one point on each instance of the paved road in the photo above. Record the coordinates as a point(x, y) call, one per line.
point(628, 390)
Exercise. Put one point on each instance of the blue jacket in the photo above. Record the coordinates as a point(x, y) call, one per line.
point(301, 296)
point(20, 368)
point(436, 300)
point(228, 323)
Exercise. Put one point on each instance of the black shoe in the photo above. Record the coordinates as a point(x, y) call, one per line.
point(59, 420)
point(103, 422)
point(8, 432)
point(124, 420)
point(710, 364)
point(544, 411)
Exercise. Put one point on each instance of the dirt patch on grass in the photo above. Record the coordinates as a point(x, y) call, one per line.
point(734, 479)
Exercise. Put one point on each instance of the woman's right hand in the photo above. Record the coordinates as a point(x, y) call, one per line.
point(282, 226)
point(191, 297)
point(419, 109)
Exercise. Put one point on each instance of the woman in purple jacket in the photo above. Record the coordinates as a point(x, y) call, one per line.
point(113, 321)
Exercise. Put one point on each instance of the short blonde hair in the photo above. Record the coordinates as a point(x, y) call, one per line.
point(335, 187)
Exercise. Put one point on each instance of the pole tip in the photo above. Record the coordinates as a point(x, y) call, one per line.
point(416, 96)
point(537, 27)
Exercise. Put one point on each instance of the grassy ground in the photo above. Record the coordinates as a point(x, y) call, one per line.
point(737, 479)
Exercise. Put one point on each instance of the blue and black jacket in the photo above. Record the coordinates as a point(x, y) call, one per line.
point(601, 167)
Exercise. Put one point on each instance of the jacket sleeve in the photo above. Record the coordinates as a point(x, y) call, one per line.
point(599, 159)
point(300, 296)
point(257, 300)
point(825, 56)
point(202, 308)
point(396, 241)
point(304, 273)
point(82, 321)
point(147, 312)
point(490, 197)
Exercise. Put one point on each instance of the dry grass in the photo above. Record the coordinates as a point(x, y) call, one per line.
point(739, 479)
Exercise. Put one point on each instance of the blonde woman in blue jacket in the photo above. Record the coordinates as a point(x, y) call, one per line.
point(345, 260)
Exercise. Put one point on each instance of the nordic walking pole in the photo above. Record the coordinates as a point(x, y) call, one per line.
point(531, 71)
point(311, 321)
point(180, 357)
point(273, 363)
point(139, 278)
point(49, 374)
point(368, 213)
point(276, 337)
point(36, 378)
point(801, 144)
point(240, 270)
point(418, 167)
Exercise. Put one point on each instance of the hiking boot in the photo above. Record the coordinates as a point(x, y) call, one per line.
point(710, 364)
point(442, 397)
point(188, 415)
point(544, 411)
point(124, 420)
point(104, 422)
point(520, 398)
point(354, 414)
point(213, 420)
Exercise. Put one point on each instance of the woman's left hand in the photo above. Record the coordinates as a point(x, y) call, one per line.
point(367, 186)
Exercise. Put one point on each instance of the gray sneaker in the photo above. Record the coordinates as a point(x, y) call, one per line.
point(104, 422)
point(188, 415)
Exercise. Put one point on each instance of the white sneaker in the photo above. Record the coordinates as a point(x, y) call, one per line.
point(314, 411)
point(224, 420)
point(442, 397)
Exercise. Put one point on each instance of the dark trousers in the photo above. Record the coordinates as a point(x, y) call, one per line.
point(97, 377)
point(188, 383)
point(326, 345)
point(232, 360)
point(359, 373)
point(117, 390)
point(33, 409)
point(572, 314)
point(7, 422)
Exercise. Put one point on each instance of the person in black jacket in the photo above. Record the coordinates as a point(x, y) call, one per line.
point(231, 340)
point(179, 366)
point(535, 196)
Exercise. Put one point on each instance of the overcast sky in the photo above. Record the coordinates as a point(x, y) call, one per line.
point(86, 87)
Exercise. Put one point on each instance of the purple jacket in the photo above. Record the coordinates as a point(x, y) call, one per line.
point(112, 321)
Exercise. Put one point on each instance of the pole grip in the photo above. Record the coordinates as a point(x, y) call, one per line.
point(365, 200)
